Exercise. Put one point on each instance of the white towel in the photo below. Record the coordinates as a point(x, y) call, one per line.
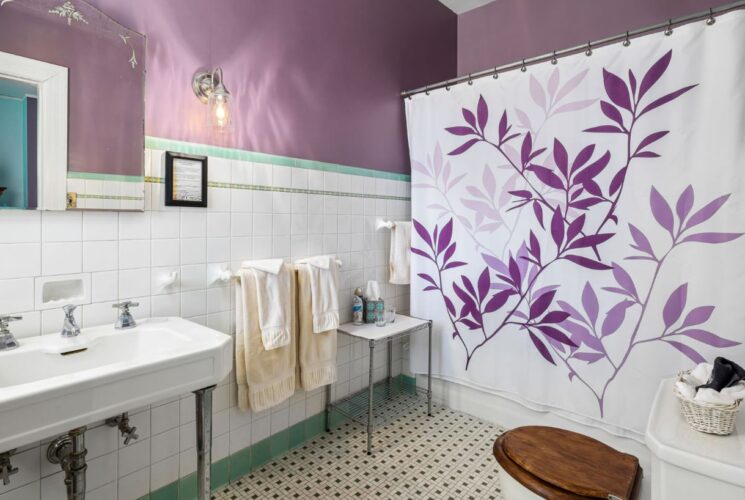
point(727, 396)
point(324, 291)
point(273, 292)
point(399, 264)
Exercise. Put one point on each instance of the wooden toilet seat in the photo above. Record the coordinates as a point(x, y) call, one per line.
point(561, 465)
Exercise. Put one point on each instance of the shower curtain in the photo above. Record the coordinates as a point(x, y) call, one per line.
point(578, 225)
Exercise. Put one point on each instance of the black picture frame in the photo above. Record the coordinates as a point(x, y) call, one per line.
point(169, 200)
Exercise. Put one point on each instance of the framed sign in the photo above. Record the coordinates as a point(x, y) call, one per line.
point(186, 180)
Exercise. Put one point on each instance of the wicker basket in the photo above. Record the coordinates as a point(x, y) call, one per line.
point(707, 417)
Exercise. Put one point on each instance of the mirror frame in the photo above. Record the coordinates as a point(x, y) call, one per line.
point(51, 81)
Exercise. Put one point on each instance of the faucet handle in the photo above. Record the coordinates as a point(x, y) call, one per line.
point(69, 309)
point(124, 306)
point(5, 320)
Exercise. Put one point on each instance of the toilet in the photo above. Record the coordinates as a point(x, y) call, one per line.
point(545, 462)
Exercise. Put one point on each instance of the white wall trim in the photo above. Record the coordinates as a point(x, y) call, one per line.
point(51, 81)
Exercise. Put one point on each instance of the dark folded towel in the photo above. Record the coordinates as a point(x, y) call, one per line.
point(726, 373)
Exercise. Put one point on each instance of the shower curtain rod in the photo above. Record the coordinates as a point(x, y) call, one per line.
point(666, 27)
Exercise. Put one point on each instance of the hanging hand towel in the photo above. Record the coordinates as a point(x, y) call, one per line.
point(316, 351)
point(273, 289)
point(399, 265)
point(324, 279)
point(264, 378)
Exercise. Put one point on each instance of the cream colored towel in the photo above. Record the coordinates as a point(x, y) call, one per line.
point(399, 265)
point(273, 291)
point(264, 378)
point(324, 290)
point(316, 351)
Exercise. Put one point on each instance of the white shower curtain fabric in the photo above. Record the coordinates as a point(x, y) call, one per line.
point(578, 227)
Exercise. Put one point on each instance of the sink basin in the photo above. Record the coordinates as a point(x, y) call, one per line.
point(50, 385)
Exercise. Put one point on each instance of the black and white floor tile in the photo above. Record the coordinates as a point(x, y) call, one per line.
point(448, 455)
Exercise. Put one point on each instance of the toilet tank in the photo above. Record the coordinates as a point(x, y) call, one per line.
point(688, 464)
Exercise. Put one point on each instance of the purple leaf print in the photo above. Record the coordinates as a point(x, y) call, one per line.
point(632, 83)
point(614, 318)
point(709, 338)
point(422, 232)
point(461, 130)
point(526, 195)
point(468, 116)
point(604, 129)
point(675, 305)
point(580, 335)
point(553, 83)
point(685, 203)
point(665, 99)
point(706, 212)
point(561, 159)
point(588, 263)
point(540, 305)
point(482, 113)
point(546, 176)
point(590, 357)
point(570, 85)
point(650, 139)
point(624, 280)
point(541, 348)
point(611, 112)
point(654, 73)
point(590, 241)
point(484, 283)
point(556, 334)
point(515, 274)
point(526, 149)
point(449, 304)
point(503, 129)
point(642, 243)
point(646, 154)
point(463, 147)
point(454, 264)
point(445, 237)
point(449, 252)
point(712, 237)
point(616, 90)
point(538, 212)
point(498, 300)
point(661, 210)
point(523, 119)
point(697, 315)
point(575, 106)
point(617, 181)
point(690, 353)
point(584, 156)
point(421, 253)
point(536, 92)
point(557, 227)
point(575, 227)
point(427, 277)
point(554, 317)
point(590, 303)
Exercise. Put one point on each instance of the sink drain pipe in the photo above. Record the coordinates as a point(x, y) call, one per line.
point(69, 452)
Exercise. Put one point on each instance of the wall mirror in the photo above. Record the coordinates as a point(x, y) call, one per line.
point(72, 108)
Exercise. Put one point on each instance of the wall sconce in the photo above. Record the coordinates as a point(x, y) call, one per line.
point(209, 88)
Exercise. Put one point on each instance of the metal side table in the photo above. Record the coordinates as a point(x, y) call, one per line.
point(386, 400)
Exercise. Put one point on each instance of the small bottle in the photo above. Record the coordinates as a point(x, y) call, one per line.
point(357, 307)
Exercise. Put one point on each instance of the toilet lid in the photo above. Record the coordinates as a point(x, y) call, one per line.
point(572, 462)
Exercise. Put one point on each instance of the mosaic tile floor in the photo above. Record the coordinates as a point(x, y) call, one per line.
point(447, 455)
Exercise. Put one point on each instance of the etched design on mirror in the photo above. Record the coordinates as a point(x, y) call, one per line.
point(68, 10)
point(133, 59)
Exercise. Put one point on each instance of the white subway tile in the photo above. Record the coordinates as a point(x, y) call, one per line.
point(100, 225)
point(61, 258)
point(193, 223)
point(20, 226)
point(16, 295)
point(134, 254)
point(20, 260)
point(134, 225)
point(100, 256)
point(61, 226)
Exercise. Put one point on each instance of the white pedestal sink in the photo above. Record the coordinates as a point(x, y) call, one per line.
point(51, 385)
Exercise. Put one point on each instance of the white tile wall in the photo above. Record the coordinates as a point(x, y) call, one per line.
point(126, 256)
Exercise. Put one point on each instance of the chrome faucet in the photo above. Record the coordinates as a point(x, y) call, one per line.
point(70, 327)
point(125, 319)
point(7, 340)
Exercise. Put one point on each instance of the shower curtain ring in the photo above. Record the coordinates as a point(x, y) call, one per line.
point(495, 75)
point(447, 86)
point(711, 19)
point(470, 80)
point(426, 90)
point(627, 41)
point(523, 68)
point(553, 59)
point(669, 30)
point(588, 52)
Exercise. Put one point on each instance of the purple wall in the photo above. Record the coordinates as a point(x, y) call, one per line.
point(312, 79)
point(506, 31)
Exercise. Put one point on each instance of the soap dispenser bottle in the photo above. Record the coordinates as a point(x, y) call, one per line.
point(358, 307)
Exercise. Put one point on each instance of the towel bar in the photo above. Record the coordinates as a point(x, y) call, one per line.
point(232, 276)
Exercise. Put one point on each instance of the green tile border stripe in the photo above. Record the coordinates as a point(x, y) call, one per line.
point(275, 189)
point(242, 462)
point(96, 176)
point(109, 197)
point(286, 161)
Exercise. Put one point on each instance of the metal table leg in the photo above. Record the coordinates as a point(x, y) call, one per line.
point(389, 347)
point(370, 394)
point(328, 408)
point(429, 370)
point(204, 441)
